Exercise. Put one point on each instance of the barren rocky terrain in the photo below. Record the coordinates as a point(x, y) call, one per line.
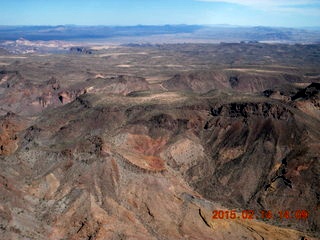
point(146, 141)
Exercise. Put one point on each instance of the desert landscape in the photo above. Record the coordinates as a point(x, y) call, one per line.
point(150, 141)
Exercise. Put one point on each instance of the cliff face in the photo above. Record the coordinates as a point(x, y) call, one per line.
point(260, 156)
point(240, 80)
point(28, 97)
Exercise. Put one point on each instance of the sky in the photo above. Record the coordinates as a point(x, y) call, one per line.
point(285, 13)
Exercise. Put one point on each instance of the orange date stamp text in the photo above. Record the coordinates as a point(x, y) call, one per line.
point(262, 214)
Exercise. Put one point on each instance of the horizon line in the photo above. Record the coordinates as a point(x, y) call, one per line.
point(155, 25)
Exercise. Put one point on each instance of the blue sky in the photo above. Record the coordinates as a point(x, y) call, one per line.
point(294, 13)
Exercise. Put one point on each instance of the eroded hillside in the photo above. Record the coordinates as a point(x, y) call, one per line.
point(94, 148)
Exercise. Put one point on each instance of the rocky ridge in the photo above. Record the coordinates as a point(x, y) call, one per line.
point(121, 163)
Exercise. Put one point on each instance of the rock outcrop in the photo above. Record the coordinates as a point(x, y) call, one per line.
point(240, 80)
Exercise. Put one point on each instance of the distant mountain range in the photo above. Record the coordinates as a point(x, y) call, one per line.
point(161, 34)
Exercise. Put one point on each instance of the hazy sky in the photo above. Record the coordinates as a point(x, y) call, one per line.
point(288, 13)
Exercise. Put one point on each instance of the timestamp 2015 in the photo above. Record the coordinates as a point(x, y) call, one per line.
point(263, 214)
